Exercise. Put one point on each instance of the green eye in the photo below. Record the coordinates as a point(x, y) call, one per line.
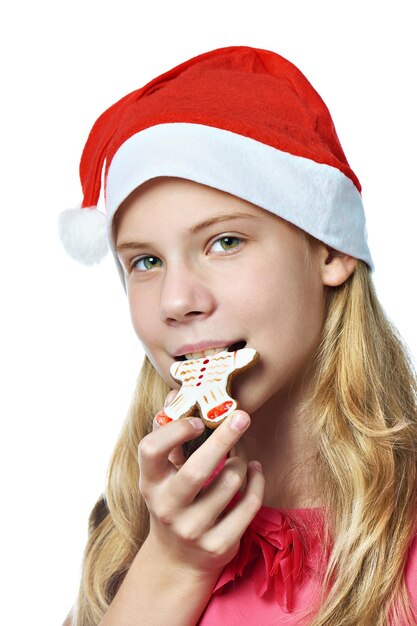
point(227, 243)
point(147, 263)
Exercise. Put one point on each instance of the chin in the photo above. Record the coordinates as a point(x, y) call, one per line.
point(254, 390)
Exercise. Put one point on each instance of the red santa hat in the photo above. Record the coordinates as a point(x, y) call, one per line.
point(239, 119)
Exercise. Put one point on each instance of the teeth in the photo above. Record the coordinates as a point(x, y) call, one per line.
point(194, 355)
point(199, 355)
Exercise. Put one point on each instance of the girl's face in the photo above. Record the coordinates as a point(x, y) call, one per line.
point(205, 269)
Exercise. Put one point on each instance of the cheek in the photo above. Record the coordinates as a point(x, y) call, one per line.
point(144, 316)
point(284, 311)
point(299, 322)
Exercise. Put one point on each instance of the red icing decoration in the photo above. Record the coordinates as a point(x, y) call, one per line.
point(198, 384)
point(162, 418)
point(201, 376)
point(219, 410)
point(205, 361)
point(203, 369)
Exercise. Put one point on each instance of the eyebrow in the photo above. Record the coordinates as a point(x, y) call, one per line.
point(134, 245)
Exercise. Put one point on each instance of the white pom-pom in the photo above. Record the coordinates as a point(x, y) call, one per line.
point(83, 234)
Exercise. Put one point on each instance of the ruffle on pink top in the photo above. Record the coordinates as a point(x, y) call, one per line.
point(286, 554)
point(276, 576)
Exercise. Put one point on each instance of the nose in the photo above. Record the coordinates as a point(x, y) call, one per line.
point(186, 294)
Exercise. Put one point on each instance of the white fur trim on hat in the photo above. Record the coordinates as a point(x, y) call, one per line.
point(318, 198)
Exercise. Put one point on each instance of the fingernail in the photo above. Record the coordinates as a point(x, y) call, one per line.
point(239, 421)
point(170, 397)
point(196, 423)
point(256, 465)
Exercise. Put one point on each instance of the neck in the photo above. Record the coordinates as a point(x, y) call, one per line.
point(279, 438)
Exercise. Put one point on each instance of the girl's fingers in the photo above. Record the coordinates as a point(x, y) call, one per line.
point(230, 528)
point(155, 448)
point(192, 476)
point(176, 457)
point(212, 501)
point(170, 397)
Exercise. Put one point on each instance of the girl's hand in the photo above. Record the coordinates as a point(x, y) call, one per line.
point(176, 456)
point(187, 519)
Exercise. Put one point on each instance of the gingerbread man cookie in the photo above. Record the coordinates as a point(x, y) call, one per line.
point(205, 386)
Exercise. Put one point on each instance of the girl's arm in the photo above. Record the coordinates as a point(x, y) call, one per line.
point(191, 539)
point(156, 593)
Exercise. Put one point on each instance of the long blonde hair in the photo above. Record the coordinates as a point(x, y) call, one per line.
point(362, 412)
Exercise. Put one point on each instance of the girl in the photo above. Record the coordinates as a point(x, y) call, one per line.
point(235, 220)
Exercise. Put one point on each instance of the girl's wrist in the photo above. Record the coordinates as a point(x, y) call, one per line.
point(174, 567)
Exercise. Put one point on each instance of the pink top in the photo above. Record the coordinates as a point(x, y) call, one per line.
point(275, 576)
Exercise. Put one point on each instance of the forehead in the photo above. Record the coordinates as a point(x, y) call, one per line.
point(182, 202)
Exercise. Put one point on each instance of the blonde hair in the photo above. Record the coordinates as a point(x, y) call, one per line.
point(362, 412)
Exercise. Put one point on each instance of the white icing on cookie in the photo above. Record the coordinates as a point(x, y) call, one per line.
point(204, 386)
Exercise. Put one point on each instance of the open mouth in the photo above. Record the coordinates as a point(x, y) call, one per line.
point(198, 355)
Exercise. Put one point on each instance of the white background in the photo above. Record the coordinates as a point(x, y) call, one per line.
point(69, 357)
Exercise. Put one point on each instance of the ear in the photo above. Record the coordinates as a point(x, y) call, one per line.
point(336, 267)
